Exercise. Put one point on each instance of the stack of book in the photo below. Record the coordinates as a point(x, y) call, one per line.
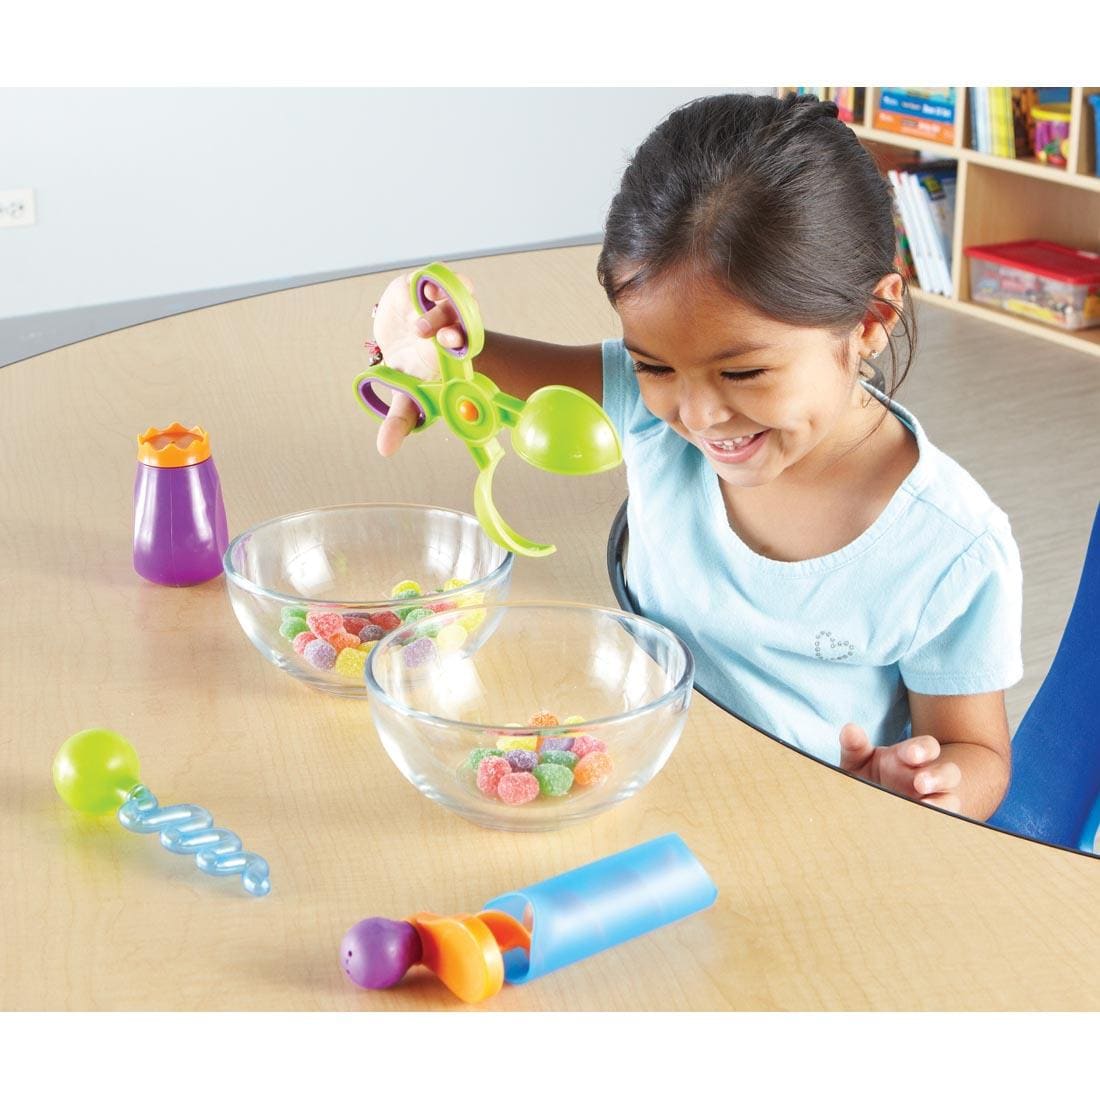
point(849, 101)
point(924, 200)
point(1000, 118)
point(927, 113)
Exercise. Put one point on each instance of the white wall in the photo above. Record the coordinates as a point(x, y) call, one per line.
point(149, 192)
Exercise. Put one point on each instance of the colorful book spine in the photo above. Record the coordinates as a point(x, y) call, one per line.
point(1023, 125)
point(924, 202)
point(927, 113)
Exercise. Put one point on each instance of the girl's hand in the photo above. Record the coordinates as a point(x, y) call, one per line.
point(406, 341)
point(911, 768)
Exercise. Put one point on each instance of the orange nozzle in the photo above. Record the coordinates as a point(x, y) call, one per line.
point(173, 446)
point(462, 953)
point(466, 952)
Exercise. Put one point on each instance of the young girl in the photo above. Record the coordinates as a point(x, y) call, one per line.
point(842, 583)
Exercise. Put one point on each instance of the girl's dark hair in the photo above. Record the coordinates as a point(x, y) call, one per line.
point(774, 198)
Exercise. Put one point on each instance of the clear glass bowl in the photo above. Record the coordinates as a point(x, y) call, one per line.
point(616, 684)
point(346, 560)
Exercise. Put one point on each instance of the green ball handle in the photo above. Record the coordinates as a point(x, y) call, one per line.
point(95, 770)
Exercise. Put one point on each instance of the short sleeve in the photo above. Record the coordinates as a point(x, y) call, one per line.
point(967, 640)
point(622, 399)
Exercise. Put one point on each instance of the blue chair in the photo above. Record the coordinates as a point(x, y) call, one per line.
point(1054, 795)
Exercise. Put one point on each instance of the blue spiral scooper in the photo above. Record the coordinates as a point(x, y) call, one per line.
point(96, 771)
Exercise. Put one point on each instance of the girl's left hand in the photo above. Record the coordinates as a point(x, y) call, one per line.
point(910, 768)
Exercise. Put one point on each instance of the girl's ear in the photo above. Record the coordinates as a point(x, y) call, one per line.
point(879, 320)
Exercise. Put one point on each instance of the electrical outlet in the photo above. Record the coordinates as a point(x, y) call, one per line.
point(16, 207)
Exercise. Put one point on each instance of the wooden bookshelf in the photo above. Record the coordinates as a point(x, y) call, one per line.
point(1002, 199)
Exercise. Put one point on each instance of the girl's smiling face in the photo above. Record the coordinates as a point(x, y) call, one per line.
point(757, 396)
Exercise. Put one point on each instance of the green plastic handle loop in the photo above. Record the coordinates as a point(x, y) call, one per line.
point(557, 429)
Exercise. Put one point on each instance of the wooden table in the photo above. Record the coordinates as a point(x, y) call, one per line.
point(833, 895)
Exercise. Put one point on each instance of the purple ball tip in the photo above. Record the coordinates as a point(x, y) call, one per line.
point(376, 953)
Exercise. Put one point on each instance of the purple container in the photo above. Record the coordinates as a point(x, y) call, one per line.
point(180, 532)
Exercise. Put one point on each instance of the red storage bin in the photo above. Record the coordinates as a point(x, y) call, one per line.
point(1042, 280)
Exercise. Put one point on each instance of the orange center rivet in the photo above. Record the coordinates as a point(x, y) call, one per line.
point(467, 410)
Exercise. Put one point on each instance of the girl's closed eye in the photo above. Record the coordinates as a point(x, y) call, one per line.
point(665, 372)
point(650, 368)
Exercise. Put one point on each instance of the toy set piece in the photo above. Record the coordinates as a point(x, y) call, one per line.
point(180, 530)
point(1041, 280)
point(96, 771)
point(558, 429)
point(531, 932)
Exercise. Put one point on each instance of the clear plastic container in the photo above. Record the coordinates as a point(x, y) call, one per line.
point(345, 561)
point(1051, 132)
point(618, 681)
point(1040, 280)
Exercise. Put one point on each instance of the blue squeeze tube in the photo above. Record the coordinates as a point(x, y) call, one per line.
point(589, 909)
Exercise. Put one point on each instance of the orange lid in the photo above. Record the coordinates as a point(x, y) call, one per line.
point(174, 446)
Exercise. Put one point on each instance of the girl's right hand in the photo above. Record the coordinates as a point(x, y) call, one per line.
point(407, 341)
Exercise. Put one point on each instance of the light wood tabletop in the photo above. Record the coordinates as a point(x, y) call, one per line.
point(832, 894)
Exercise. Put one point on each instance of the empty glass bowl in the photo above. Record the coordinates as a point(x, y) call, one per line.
point(530, 716)
point(288, 577)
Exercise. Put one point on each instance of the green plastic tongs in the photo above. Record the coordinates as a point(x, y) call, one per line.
point(558, 429)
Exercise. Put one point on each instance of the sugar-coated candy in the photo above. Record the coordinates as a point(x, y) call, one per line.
point(522, 760)
point(441, 606)
point(371, 632)
point(406, 590)
point(528, 743)
point(320, 654)
point(353, 624)
point(558, 756)
point(516, 788)
point(543, 719)
point(585, 744)
point(453, 583)
point(451, 637)
point(473, 619)
point(350, 662)
point(386, 620)
point(293, 613)
point(572, 720)
point(477, 755)
point(342, 640)
point(302, 640)
point(554, 779)
point(325, 623)
point(291, 628)
point(417, 614)
point(556, 744)
point(419, 652)
point(592, 768)
point(489, 773)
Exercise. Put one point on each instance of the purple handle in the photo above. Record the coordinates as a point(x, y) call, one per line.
point(377, 405)
point(427, 304)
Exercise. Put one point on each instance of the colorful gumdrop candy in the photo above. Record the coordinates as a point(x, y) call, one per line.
point(534, 766)
point(96, 771)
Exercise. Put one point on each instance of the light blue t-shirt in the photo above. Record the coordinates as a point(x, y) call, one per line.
point(927, 598)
